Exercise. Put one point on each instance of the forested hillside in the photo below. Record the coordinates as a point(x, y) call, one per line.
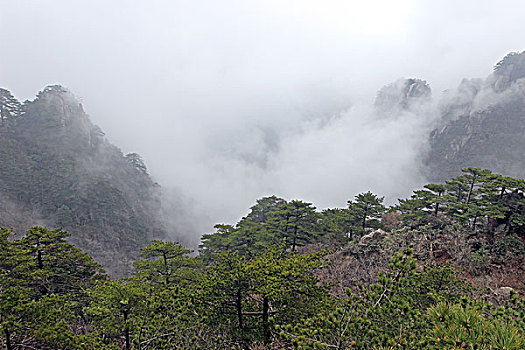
point(86, 261)
point(57, 169)
point(443, 269)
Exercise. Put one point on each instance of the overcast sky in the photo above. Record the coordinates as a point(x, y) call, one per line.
point(231, 100)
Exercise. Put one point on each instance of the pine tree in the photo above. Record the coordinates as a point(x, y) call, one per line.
point(167, 263)
point(365, 212)
point(10, 107)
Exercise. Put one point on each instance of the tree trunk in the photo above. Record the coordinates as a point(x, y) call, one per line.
point(126, 334)
point(166, 267)
point(364, 219)
point(471, 189)
point(142, 325)
point(8, 340)
point(509, 228)
point(239, 308)
point(126, 331)
point(294, 242)
point(266, 326)
point(39, 259)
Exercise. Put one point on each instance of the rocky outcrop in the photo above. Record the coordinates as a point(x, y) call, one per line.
point(508, 71)
point(373, 237)
point(403, 94)
point(55, 119)
point(482, 125)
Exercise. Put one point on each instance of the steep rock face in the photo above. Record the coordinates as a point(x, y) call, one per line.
point(403, 94)
point(508, 71)
point(57, 121)
point(483, 124)
point(57, 169)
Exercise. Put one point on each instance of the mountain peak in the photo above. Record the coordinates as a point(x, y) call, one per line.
point(483, 124)
point(402, 94)
point(507, 71)
point(54, 89)
point(56, 119)
point(57, 168)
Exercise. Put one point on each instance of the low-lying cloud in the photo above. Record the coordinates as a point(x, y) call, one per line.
point(230, 101)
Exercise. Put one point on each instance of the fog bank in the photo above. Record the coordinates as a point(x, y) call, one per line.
point(230, 101)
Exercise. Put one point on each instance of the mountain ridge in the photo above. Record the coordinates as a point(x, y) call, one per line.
point(59, 167)
point(59, 170)
point(482, 124)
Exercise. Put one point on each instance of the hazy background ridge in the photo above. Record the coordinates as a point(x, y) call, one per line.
point(229, 101)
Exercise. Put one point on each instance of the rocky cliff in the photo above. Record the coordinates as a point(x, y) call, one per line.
point(401, 95)
point(482, 124)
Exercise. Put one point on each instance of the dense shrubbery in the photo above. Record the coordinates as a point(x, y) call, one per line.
point(288, 277)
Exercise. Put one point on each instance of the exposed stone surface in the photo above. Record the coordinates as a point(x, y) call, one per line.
point(403, 94)
point(483, 125)
point(372, 237)
point(504, 291)
point(508, 71)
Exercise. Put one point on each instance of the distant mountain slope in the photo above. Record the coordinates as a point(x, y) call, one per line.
point(56, 168)
point(483, 124)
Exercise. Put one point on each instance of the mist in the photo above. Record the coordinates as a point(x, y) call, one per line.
point(230, 101)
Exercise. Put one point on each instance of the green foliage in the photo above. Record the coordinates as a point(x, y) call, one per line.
point(509, 245)
point(167, 263)
point(388, 313)
point(43, 283)
point(271, 221)
point(365, 212)
point(251, 297)
point(334, 220)
point(54, 296)
point(252, 288)
point(116, 309)
point(468, 327)
point(477, 199)
point(260, 212)
point(293, 223)
point(155, 308)
point(214, 243)
point(55, 165)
